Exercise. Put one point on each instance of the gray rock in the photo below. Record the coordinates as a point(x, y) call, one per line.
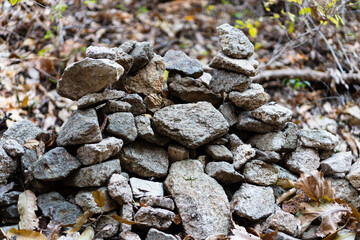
point(158, 139)
point(205, 78)
point(142, 188)
point(192, 90)
point(154, 217)
point(124, 59)
point(119, 189)
point(8, 198)
point(219, 152)
point(282, 236)
point(80, 128)
point(146, 80)
point(179, 62)
point(310, 233)
point(224, 172)
point(13, 148)
point(25, 130)
point(155, 234)
point(142, 53)
point(106, 226)
point(337, 163)
point(353, 175)
point(9, 212)
point(291, 137)
point(7, 166)
point(137, 104)
point(126, 212)
point(88, 76)
point(325, 154)
point(234, 42)
point(285, 174)
point(251, 98)
point(95, 175)
point(154, 102)
point(145, 159)
point(272, 114)
point(122, 125)
point(113, 106)
point(241, 152)
point(158, 201)
point(283, 221)
point(94, 99)
point(143, 126)
point(228, 111)
point(177, 153)
point(261, 173)
point(128, 235)
point(55, 165)
point(127, 46)
point(90, 154)
point(54, 206)
point(225, 81)
point(192, 124)
point(219, 141)
point(344, 191)
point(248, 123)
point(253, 202)
point(272, 141)
point(302, 160)
point(267, 156)
point(86, 201)
point(319, 139)
point(244, 66)
point(201, 201)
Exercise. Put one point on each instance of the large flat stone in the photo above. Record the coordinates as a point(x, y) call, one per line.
point(179, 62)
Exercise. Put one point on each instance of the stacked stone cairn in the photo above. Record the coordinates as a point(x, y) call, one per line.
point(200, 145)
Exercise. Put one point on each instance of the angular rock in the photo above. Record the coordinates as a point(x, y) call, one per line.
point(337, 163)
point(154, 217)
point(192, 90)
point(302, 160)
point(244, 66)
point(119, 189)
point(158, 139)
point(143, 126)
point(146, 80)
point(177, 153)
point(291, 137)
point(272, 114)
point(234, 42)
point(154, 102)
point(113, 106)
point(225, 81)
point(261, 173)
point(80, 128)
point(202, 202)
point(158, 201)
point(137, 104)
point(90, 154)
point(94, 99)
point(353, 175)
point(267, 156)
point(128, 235)
point(145, 159)
point(247, 123)
point(54, 206)
point(25, 130)
point(241, 152)
point(219, 141)
point(122, 125)
point(95, 175)
point(319, 139)
point(344, 191)
point(283, 221)
point(251, 98)
point(142, 188)
point(192, 124)
point(272, 141)
point(124, 59)
point(98, 52)
point(126, 212)
point(8, 198)
point(9, 212)
point(253, 202)
point(13, 148)
point(228, 111)
point(224, 172)
point(155, 234)
point(106, 226)
point(127, 46)
point(7, 166)
point(142, 52)
point(85, 199)
point(179, 62)
point(219, 152)
point(55, 165)
point(88, 76)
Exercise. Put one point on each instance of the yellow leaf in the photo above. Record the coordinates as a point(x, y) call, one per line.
point(276, 16)
point(333, 20)
point(189, 18)
point(13, 2)
point(25, 234)
point(99, 198)
point(81, 221)
point(122, 220)
point(253, 32)
point(24, 102)
point(27, 207)
point(257, 46)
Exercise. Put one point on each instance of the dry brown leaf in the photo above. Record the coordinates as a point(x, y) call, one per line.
point(286, 195)
point(270, 235)
point(177, 219)
point(242, 234)
point(350, 140)
point(293, 205)
point(80, 221)
point(285, 183)
point(122, 220)
point(31, 144)
point(99, 198)
point(25, 234)
point(315, 186)
point(27, 207)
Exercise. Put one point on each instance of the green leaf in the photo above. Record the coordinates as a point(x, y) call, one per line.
point(253, 32)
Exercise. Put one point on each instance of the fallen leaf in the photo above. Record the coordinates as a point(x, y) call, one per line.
point(242, 234)
point(99, 198)
point(27, 207)
point(350, 140)
point(285, 183)
point(25, 234)
point(177, 219)
point(31, 144)
point(80, 221)
point(293, 205)
point(122, 220)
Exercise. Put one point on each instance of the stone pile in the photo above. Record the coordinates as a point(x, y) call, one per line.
point(196, 144)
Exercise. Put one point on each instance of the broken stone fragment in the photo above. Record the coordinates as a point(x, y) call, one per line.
point(122, 125)
point(224, 172)
point(228, 111)
point(226, 81)
point(155, 234)
point(272, 114)
point(319, 139)
point(302, 160)
point(13, 148)
point(88, 76)
point(142, 188)
point(247, 123)
point(354, 175)
point(261, 173)
point(272, 141)
point(154, 217)
point(142, 52)
point(251, 98)
point(219, 152)
point(337, 163)
point(158, 201)
point(7, 166)
point(94, 99)
point(119, 189)
point(179, 62)
point(177, 152)
point(137, 103)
